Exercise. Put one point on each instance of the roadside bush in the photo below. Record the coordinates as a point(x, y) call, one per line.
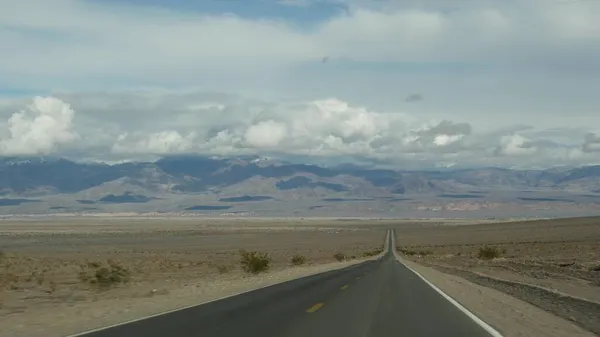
point(104, 276)
point(488, 253)
point(254, 262)
point(298, 260)
point(339, 256)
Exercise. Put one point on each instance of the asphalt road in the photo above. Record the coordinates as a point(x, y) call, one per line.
point(373, 299)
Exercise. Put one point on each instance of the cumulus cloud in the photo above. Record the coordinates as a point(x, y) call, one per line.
point(40, 128)
point(160, 143)
point(329, 129)
point(445, 135)
point(515, 145)
point(267, 134)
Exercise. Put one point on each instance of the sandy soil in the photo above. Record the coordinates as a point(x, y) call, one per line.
point(542, 262)
point(46, 268)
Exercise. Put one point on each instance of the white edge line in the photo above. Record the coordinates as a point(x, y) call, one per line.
point(83, 333)
point(466, 311)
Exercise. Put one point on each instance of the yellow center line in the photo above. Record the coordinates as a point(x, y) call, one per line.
point(344, 287)
point(315, 308)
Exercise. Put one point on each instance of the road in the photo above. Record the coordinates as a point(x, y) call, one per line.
point(373, 299)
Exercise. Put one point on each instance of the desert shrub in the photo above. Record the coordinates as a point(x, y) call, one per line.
point(104, 276)
point(339, 256)
point(223, 269)
point(254, 262)
point(595, 268)
point(298, 260)
point(488, 253)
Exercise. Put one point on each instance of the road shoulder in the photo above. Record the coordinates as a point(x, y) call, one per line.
point(509, 315)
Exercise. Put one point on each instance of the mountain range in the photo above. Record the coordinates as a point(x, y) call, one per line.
point(254, 185)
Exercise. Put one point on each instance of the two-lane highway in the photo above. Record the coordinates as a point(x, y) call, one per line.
point(373, 299)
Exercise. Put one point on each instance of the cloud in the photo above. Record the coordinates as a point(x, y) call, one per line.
point(133, 126)
point(515, 145)
point(412, 98)
point(145, 44)
point(40, 128)
point(591, 143)
point(267, 134)
point(160, 143)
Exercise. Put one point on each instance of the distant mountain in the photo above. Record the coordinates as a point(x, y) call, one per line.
point(209, 181)
point(194, 174)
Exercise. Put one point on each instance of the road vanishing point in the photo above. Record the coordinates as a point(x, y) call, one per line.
point(376, 298)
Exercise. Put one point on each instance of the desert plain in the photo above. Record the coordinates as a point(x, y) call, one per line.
point(67, 275)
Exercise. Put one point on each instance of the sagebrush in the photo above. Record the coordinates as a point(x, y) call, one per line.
point(254, 262)
point(104, 275)
point(298, 260)
point(488, 253)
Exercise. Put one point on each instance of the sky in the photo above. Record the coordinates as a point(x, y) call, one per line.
point(405, 83)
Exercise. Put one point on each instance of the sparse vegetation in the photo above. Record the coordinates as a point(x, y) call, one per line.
point(105, 276)
point(254, 262)
point(298, 260)
point(595, 268)
point(488, 253)
point(409, 252)
point(373, 252)
point(339, 256)
point(405, 251)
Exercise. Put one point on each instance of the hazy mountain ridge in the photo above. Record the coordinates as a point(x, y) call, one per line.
point(194, 183)
point(195, 174)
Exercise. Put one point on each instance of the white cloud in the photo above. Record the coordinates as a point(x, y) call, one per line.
point(328, 128)
point(39, 129)
point(159, 143)
point(516, 145)
point(484, 67)
point(140, 43)
point(267, 134)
